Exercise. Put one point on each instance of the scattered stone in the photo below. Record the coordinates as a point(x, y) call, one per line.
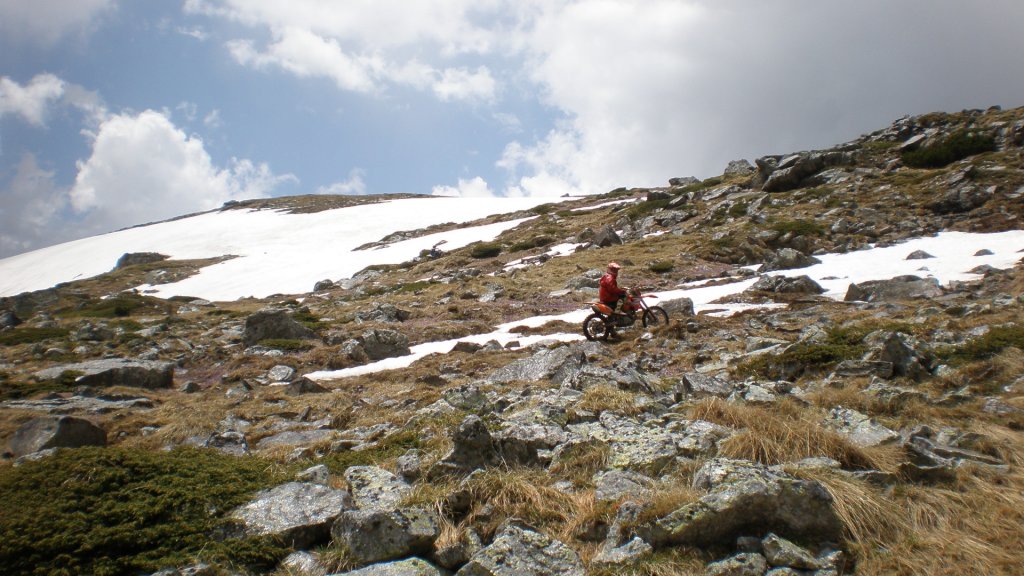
point(377, 535)
point(281, 373)
point(787, 259)
point(919, 255)
point(898, 288)
point(55, 432)
point(629, 553)
point(299, 513)
point(135, 258)
point(613, 485)
point(274, 324)
point(742, 564)
point(374, 488)
point(230, 442)
point(859, 428)
point(702, 385)
point(304, 385)
point(781, 552)
point(380, 344)
point(407, 567)
point(108, 372)
point(746, 498)
point(518, 551)
point(383, 313)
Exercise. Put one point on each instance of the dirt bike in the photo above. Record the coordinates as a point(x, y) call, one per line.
point(603, 322)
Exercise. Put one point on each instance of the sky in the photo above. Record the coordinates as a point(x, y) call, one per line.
point(116, 113)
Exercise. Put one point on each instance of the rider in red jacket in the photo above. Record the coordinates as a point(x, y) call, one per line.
point(610, 293)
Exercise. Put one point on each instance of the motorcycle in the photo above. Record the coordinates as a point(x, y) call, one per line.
point(603, 322)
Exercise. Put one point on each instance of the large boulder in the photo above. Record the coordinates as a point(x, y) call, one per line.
point(380, 344)
point(377, 535)
point(135, 258)
point(298, 513)
point(678, 307)
point(787, 285)
point(898, 288)
point(150, 374)
point(518, 551)
point(788, 259)
point(746, 498)
point(274, 323)
point(556, 365)
point(374, 488)
point(56, 432)
point(606, 236)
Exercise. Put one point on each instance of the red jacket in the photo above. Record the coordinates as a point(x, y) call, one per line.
point(610, 291)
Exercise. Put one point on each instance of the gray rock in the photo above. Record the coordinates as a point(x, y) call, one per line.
point(304, 385)
point(787, 285)
point(678, 307)
point(55, 432)
point(963, 198)
point(323, 285)
point(452, 555)
point(859, 428)
point(410, 465)
point(518, 551)
point(380, 344)
point(555, 365)
point(908, 356)
point(936, 454)
point(281, 373)
point(613, 485)
point(702, 385)
point(699, 438)
point(788, 259)
point(375, 488)
point(606, 236)
point(919, 255)
point(299, 513)
point(746, 498)
point(742, 564)
point(274, 324)
point(148, 374)
point(629, 553)
point(407, 567)
point(474, 448)
point(303, 563)
point(295, 438)
point(199, 569)
point(782, 552)
point(229, 442)
point(383, 313)
point(377, 535)
point(739, 168)
point(318, 474)
point(135, 258)
point(684, 181)
point(898, 288)
point(8, 319)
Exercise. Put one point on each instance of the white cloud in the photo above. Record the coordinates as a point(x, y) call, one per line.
point(45, 22)
point(32, 201)
point(473, 188)
point(143, 168)
point(464, 84)
point(32, 100)
point(354, 185)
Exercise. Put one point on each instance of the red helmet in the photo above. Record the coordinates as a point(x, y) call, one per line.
point(613, 267)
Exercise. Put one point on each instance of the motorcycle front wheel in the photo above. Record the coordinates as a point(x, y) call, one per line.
point(655, 316)
point(594, 328)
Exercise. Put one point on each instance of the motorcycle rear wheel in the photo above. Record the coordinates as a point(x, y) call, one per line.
point(594, 328)
point(655, 316)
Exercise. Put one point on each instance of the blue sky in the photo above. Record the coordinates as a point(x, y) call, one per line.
point(115, 113)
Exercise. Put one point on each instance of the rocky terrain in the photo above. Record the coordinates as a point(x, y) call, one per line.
point(880, 434)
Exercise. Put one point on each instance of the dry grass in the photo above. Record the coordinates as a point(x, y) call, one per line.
point(518, 493)
point(788, 432)
point(578, 463)
point(607, 398)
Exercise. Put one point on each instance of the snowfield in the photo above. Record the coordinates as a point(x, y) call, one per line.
point(276, 252)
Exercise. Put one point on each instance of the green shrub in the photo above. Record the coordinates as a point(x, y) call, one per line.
point(661, 266)
point(485, 250)
point(956, 146)
point(30, 335)
point(309, 320)
point(987, 345)
point(542, 209)
point(119, 306)
point(287, 344)
point(389, 448)
point(531, 243)
point(109, 511)
point(642, 209)
point(799, 227)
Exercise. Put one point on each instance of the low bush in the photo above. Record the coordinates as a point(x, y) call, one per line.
point(956, 146)
point(642, 209)
point(31, 335)
point(108, 511)
point(799, 227)
point(661, 266)
point(987, 345)
point(485, 250)
point(287, 344)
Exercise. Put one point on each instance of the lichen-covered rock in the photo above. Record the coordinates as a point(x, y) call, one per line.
point(781, 552)
point(628, 553)
point(746, 498)
point(555, 365)
point(149, 374)
point(701, 385)
point(274, 324)
point(634, 446)
point(297, 512)
point(742, 564)
point(380, 344)
point(788, 285)
point(859, 428)
point(48, 432)
point(788, 259)
point(613, 485)
point(407, 567)
point(899, 288)
point(377, 535)
point(375, 488)
point(518, 551)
